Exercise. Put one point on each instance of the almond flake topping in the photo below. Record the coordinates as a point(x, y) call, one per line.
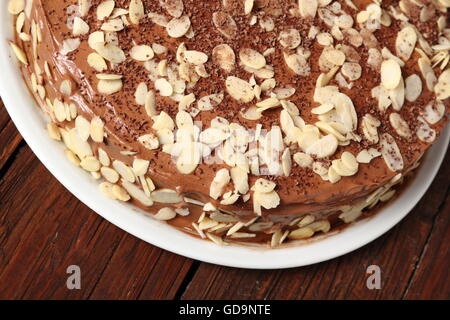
point(136, 11)
point(97, 62)
point(80, 27)
point(178, 27)
point(105, 9)
point(221, 179)
point(174, 7)
point(406, 42)
point(16, 6)
point(252, 58)
point(225, 24)
point(413, 87)
point(109, 87)
point(142, 53)
point(290, 39)
point(308, 8)
point(400, 125)
point(165, 214)
point(224, 56)
point(239, 89)
point(391, 153)
point(391, 74)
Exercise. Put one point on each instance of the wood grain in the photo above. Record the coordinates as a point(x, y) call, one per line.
point(9, 136)
point(44, 229)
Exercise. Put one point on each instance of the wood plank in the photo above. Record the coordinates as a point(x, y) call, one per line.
point(44, 229)
point(430, 281)
point(9, 136)
point(4, 116)
point(396, 253)
point(139, 270)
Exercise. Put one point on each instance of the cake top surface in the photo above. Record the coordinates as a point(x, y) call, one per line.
point(251, 103)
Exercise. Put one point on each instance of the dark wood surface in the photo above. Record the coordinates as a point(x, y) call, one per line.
point(44, 230)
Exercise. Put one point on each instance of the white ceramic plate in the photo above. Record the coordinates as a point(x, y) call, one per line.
point(31, 124)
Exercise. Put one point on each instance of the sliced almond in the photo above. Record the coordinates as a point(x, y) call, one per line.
point(142, 53)
point(209, 102)
point(424, 132)
point(391, 153)
point(16, 6)
point(427, 73)
point(297, 64)
point(400, 126)
point(149, 141)
point(110, 52)
point(20, 54)
point(125, 171)
point(90, 164)
point(195, 57)
point(303, 160)
point(97, 62)
point(290, 38)
point(109, 87)
point(268, 201)
point(225, 24)
point(163, 121)
point(165, 214)
point(323, 147)
point(109, 174)
point(178, 27)
point(308, 8)
point(406, 42)
point(53, 131)
point(80, 27)
point(248, 6)
point(80, 147)
point(106, 190)
point(140, 94)
point(136, 11)
point(84, 7)
point(413, 87)
point(252, 58)
point(239, 89)
point(104, 9)
point(301, 233)
point(164, 87)
point(108, 76)
point(167, 196)
point(434, 112)
point(352, 71)
point(391, 74)
point(263, 186)
point(174, 7)
point(82, 125)
point(442, 88)
point(97, 129)
point(333, 56)
point(397, 95)
point(349, 161)
point(221, 179)
point(286, 162)
point(369, 126)
point(189, 158)
point(96, 37)
point(224, 56)
point(138, 194)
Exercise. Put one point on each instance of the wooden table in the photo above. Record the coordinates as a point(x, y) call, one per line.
point(44, 229)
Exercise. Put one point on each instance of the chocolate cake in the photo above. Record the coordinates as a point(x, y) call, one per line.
point(260, 121)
